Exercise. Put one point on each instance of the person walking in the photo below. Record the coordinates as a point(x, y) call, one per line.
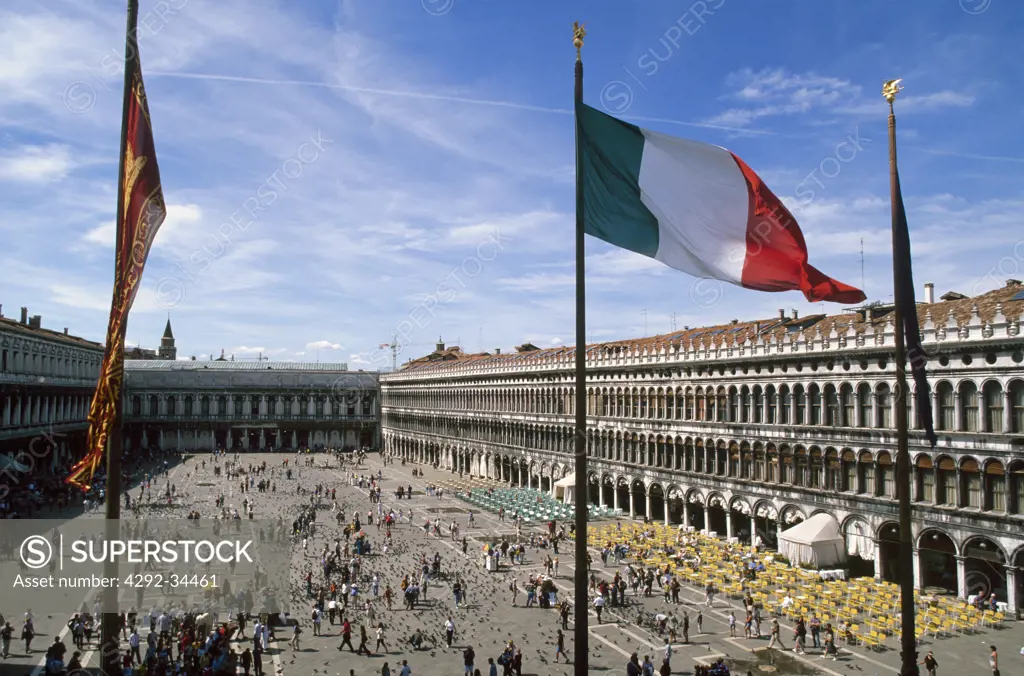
point(380, 638)
point(468, 655)
point(346, 635)
point(776, 637)
point(993, 660)
point(732, 624)
point(700, 621)
point(686, 627)
point(294, 642)
point(449, 631)
point(363, 648)
point(930, 663)
point(560, 647)
point(316, 621)
point(5, 639)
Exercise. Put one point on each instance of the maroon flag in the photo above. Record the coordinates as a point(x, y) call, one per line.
point(140, 212)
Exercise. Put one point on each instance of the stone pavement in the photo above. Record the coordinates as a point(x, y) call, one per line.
point(489, 619)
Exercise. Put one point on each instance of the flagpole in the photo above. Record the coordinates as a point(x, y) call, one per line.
point(109, 629)
point(908, 641)
point(581, 597)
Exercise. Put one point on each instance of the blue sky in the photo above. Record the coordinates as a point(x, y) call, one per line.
point(341, 171)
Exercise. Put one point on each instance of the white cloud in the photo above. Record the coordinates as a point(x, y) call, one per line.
point(324, 345)
point(36, 164)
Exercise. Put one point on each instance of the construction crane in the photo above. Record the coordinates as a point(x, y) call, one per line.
point(397, 347)
point(394, 346)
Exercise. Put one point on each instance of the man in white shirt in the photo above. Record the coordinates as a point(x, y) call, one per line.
point(449, 631)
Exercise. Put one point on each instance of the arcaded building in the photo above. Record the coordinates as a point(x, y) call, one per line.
point(47, 379)
point(754, 426)
point(247, 404)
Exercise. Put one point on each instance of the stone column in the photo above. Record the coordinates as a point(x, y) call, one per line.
point(179, 439)
point(686, 513)
point(958, 420)
point(878, 559)
point(1011, 590)
point(728, 525)
point(961, 576)
point(1007, 412)
point(917, 568)
point(263, 439)
point(632, 503)
point(778, 533)
point(664, 510)
point(647, 504)
point(753, 528)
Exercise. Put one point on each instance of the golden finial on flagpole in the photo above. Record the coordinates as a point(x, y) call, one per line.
point(890, 89)
point(579, 32)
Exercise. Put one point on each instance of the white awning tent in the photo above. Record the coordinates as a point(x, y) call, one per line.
point(565, 489)
point(816, 541)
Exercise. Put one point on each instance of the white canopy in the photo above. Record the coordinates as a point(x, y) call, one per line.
point(565, 488)
point(816, 541)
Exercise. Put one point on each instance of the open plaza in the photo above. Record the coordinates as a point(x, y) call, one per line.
point(661, 586)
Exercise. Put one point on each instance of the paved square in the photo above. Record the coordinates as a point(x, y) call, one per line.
point(488, 619)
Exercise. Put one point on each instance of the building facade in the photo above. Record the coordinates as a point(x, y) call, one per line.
point(752, 427)
point(47, 379)
point(251, 405)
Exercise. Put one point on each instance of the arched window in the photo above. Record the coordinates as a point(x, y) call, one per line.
point(995, 486)
point(886, 475)
point(814, 394)
point(1017, 407)
point(925, 479)
point(866, 470)
point(945, 482)
point(136, 406)
point(884, 394)
point(799, 405)
point(172, 405)
point(945, 417)
point(970, 421)
point(832, 412)
point(188, 406)
point(771, 470)
point(848, 411)
point(849, 470)
point(993, 407)
point(154, 405)
point(970, 479)
point(204, 406)
point(865, 404)
point(785, 465)
point(784, 405)
point(721, 406)
point(814, 469)
point(1016, 505)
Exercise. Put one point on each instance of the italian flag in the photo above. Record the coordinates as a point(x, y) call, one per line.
point(695, 207)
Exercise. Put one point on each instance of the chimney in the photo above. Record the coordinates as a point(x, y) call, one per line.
point(929, 293)
point(782, 313)
point(65, 330)
point(1, 309)
point(1009, 283)
point(795, 315)
point(757, 327)
point(35, 322)
point(24, 315)
point(869, 313)
point(497, 350)
point(440, 344)
point(735, 322)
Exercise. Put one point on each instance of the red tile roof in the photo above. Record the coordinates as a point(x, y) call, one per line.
point(740, 332)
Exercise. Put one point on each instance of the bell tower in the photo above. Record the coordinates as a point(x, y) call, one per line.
point(167, 349)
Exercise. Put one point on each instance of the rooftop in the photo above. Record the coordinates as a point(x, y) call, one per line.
point(190, 365)
point(871, 318)
point(47, 334)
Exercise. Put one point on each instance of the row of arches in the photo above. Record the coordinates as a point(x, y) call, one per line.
point(956, 480)
point(961, 406)
point(961, 563)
